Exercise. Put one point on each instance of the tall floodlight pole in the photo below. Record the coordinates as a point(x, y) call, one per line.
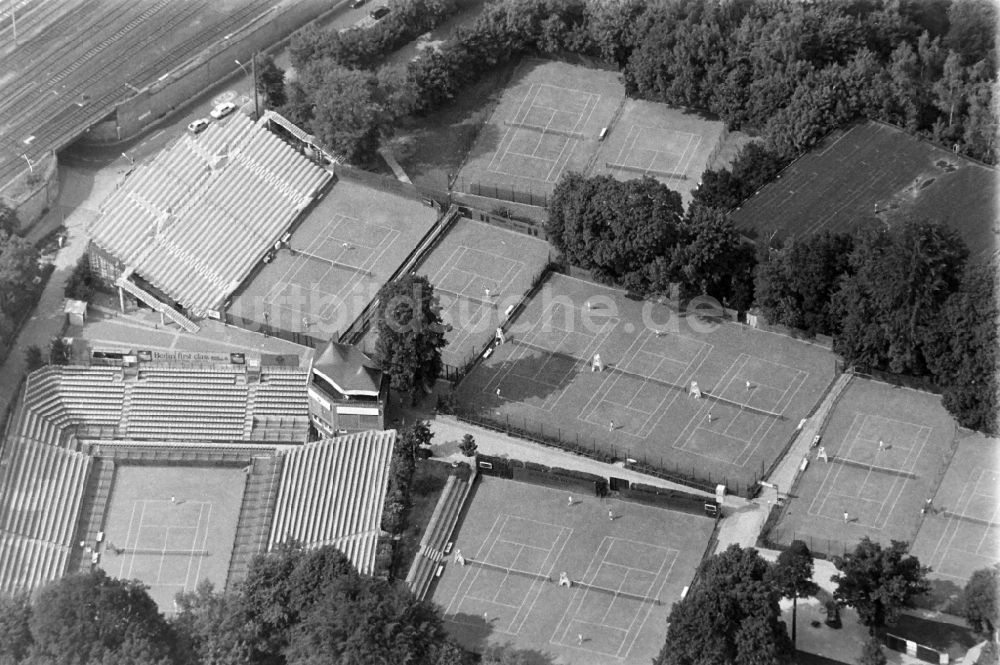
point(252, 74)
point(13, 20)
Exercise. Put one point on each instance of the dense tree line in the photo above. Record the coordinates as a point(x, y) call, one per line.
point(788, 71)
point(18, 270)
point(731, 614)
point(636, 234)
point(902, 300)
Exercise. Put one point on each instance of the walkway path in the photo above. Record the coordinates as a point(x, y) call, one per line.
point(80, 197)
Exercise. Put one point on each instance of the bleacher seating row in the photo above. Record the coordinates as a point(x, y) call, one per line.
point(165, 402)
point(439, 530)
point(256, 513)
point(333, 489)
point(27, 563)
point(40, 495)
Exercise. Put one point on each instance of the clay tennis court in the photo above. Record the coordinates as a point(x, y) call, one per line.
point(881, 469)
point(547, 122)
point(626, 572)
point(755, 386)
point(339, 257)
point(172, 526)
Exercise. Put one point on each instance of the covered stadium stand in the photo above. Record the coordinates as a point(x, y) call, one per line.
point(188, 228)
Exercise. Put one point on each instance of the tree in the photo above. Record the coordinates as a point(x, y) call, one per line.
point(348, 117)
point(614, 229)
point(871, 652)
point(9, 223)
point(980, 600)
point(878, 582)
point(468, 445)
point(897, 279)
point(271, 82)
point(34, 358)
point(90, 616)
point(60, 353)
point(792, 576)
point(712, 259)
point(362, 620)
point(971, 31)
point(15, 631)
point(81, 283)
point(299, 106)
point(731, 616)
point(960, 344)
point(410, 334)
point(210, 627)
point(795, 286)
point(18, 261)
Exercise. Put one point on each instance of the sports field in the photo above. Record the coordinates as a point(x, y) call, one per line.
point(478, 271)
point(649, 554)
point(875, 174)
point(755, 385)
point(881, 486)
point(668, 144)
point(340, 256)
point(547, 122)
point(961, 532)
point(172, 526)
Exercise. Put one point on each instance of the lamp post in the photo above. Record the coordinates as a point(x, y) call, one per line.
point(31, 167)
point(130, 160)
point(253, 75)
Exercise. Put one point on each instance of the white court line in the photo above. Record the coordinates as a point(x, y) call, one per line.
point(833, 469)
point(581, 123)
point(694, 150)
point(686, 375)
point(555, 559)
point(137, 533)
point(548, 176)
point(204, 541)
point(533, 95)
point(128, 534)
point(649, 610)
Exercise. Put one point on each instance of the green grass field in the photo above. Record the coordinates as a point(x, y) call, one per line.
point(671, 145)
point(640, 405)
point(547, 122)
point(917, 438)
point(173, 526)
point(961, 534)
point(645, 551)
point(343, 253)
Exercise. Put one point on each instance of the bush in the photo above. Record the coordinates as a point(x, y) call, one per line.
point(34, 358)
point(468, 445)
point(60, 352)
point(82, 283)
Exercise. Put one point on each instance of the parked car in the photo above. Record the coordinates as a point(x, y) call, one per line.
point(378, 12)
point(222, 110)
point(198, 126)
point(358, 3)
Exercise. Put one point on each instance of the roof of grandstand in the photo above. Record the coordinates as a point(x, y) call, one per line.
point(166, 402)
point(873, 174)
point(349, 370)
point(332, 493)
point(194, 222)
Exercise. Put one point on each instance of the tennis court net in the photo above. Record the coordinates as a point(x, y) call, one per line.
point(336, 264)
point(969, 518)
point(645, 171)
point(871, 467)
point(509, 571)
point(147, 550)
point(662, 382)
point(546, 130)
point(576, 583)
point(453, 294)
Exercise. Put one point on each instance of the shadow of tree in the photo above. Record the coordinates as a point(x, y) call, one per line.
point(473, 633)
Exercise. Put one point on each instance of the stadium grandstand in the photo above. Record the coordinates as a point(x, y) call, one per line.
point(184, 231)
point(332, 493)
point(78, 426)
